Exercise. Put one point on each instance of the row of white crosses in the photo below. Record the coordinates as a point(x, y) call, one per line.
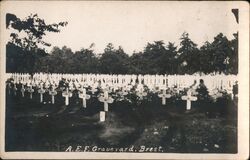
point(152, 81)
point(181, 81)
point(189, 97)
point(125, 82)
point(217, 81)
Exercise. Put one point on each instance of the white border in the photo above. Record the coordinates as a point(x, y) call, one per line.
point(243, 108)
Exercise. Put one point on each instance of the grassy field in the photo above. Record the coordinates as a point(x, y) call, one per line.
point(209, 127)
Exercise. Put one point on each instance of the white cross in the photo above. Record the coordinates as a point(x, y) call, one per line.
point(47, 84)
point(30, 90)
point(105, 87)
point(22, 90)
point(41, 91)
point(93, 90)
point(164, 95)
point(77, 85)
point(67, 94)
point(53, 93)
point(84, 97)
point(123, 91)
point(33, 83)
point(189, 98)
point(229, 90)
point(128, 87)
point(115, 88)
point(106, 100)
point(85, 85)
point(140, 93)
point(178, 89)
point(71, 86)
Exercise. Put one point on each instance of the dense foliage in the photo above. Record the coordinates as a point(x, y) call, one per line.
point(24, 55)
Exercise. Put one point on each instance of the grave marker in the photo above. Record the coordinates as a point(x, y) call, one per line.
point(22, 90)
point(140, 92)
point(84, 97)
point(164, 95)
point(41, 91)
point(93, 90)
point(30, 90)
point(102, 116)
point(67, 94)
point(53, 93)
point(106, 100)
point(189, 98)
point(229, 91)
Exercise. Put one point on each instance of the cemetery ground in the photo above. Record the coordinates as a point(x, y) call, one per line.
point(209, 127)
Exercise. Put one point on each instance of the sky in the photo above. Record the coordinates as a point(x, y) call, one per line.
point(129, 24)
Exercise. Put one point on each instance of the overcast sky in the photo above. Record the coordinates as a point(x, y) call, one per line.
point(129, 24)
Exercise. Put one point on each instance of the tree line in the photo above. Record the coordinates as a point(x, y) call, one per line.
point(25, 55)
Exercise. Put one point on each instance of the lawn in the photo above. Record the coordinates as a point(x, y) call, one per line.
point(143, 125)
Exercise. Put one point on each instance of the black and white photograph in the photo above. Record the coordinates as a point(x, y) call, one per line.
point(138, 79)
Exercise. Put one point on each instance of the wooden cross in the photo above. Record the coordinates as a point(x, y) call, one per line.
point(106, 100)
point(22, 90)
point(164, 95)
point(31, 90)
point(189, 98)
point(53, 93)
point(41, 91)
point(67, 94)
point(84, 97)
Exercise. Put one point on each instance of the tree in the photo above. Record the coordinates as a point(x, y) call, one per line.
point(137, 64)
point(85, 61)
point(168, 60)
point(188, 55)
point(222, 53)
point(233, 61)
point(152, 57)
point(29, 46)
point(113, 61)
point(35, 29)
point(206, 58)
